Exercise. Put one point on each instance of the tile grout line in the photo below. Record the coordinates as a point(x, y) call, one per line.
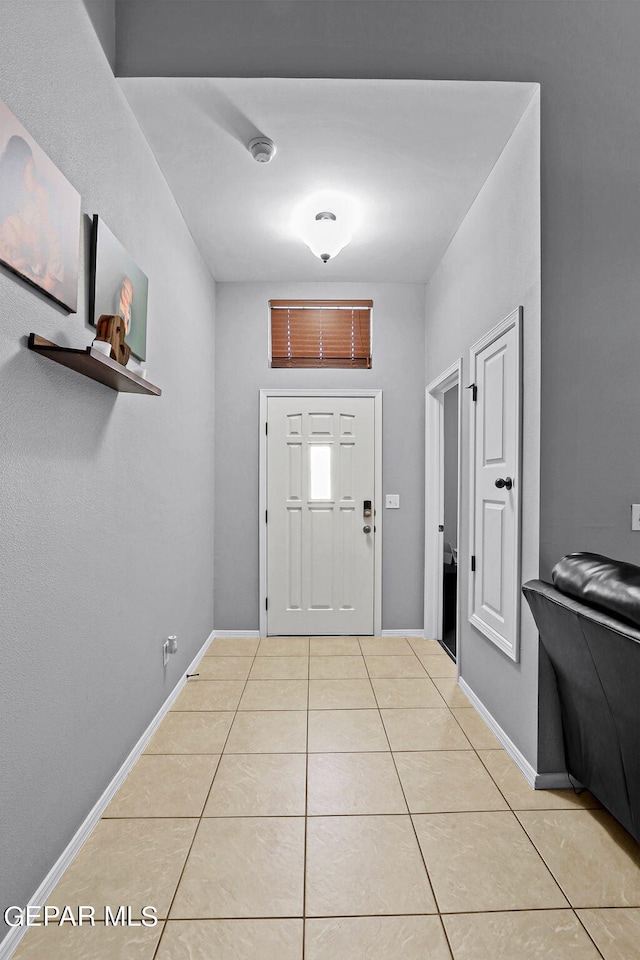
point(511, 810)
point(535, 847)
point(200, 818)
point(413, 826)
point(440, 914)
point(226, 740)
point(296, 816)
point(445, 913)
point(597, 949)
point(306, 804)
point(475, 751)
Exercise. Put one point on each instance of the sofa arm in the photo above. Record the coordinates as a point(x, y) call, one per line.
point(609, 585)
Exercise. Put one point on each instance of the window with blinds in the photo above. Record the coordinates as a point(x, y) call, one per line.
point(321, 333)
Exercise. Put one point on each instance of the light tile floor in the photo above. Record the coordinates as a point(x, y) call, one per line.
point(339, 799)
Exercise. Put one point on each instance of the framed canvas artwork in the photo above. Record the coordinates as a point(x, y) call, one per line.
point(39, 215)
point(118, 286)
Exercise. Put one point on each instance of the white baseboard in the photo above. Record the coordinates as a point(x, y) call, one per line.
point(41, 895)
point(254, 634)
point(539, 781)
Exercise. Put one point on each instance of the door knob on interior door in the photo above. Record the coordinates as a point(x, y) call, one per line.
point(507, 482)
point(366, 528)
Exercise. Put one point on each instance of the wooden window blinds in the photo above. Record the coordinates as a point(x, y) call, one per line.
point(321, 333)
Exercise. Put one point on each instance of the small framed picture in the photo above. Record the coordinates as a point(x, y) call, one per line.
point(39, 215)
point(118, 286)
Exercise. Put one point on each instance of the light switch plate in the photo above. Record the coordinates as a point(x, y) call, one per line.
point(392, 501)
point(635, 516)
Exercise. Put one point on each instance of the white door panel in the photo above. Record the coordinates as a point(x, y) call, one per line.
point(491, 560)
point(320, 470)
point(495, 495)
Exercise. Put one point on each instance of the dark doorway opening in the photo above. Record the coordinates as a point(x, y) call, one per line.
point(450, 549)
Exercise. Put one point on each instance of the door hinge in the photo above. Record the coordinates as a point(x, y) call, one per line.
point(266, 603)
point(473, 564)
point(266, 516)
point(474, 391)
point(441, 528)
point(266, 427)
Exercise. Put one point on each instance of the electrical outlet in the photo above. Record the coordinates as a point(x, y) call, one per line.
point(165, 653)
point(635, 516)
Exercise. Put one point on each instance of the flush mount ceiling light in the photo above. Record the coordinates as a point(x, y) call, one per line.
point(262, 149)
point(326, 236)
point(326, 223)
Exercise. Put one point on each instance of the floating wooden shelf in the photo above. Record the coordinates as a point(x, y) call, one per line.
point(91, 363)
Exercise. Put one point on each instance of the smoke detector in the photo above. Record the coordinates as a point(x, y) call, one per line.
point(262, 149)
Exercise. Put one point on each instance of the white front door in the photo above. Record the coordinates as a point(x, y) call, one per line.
point(496, 485)
point(320, 540)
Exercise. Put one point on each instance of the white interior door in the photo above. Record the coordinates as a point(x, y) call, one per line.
point(496, 485)
point(320, 542)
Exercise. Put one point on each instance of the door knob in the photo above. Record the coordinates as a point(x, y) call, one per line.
point(366, 528)
point(507, 482)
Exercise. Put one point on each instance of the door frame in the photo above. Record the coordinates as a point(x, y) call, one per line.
point(434, 501)
point(376, 394)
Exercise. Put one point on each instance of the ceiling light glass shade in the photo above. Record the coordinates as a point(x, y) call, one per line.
point(326, 221)
point(325, 235)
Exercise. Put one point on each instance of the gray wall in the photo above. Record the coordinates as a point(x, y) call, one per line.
point(106, 523)
point(242, 369)
point(491, 267)
point(103, 18)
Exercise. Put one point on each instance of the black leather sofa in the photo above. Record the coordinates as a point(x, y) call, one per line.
point(589, 624)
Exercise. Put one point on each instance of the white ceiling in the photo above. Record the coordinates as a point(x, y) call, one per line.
point(413, 153)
